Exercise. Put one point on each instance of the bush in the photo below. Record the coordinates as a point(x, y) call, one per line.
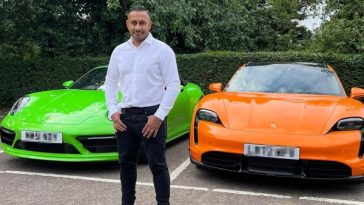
point(19, 77)
point(206, 68)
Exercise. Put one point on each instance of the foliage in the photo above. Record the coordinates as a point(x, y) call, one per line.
point(61, 28)
point(34, 75)
point(93, 28)
point(41, 28)
point(251, 25)
point(343, 33)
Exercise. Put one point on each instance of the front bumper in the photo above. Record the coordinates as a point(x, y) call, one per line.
point(331, 156)
point(84, 148)
point(300, 169)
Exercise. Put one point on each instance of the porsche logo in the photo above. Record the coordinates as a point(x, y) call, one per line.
point(51, 117)
point(272, 125)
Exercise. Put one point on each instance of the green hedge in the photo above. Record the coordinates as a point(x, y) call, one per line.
point(206, 68)
point(19, 77)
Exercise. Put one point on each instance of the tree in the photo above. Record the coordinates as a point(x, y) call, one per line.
point(343, 33)
point(15, 31)
point(250, 25)
point(58, 28)
point(94, 27)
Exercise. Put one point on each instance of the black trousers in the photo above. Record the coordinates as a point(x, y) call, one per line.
point(128, 145)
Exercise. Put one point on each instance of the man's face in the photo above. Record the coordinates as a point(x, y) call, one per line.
point(139, 25)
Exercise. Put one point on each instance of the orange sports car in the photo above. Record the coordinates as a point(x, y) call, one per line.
point(281, 119)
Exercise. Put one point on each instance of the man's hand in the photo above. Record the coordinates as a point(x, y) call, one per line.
point(152, 126)
point(118, 124)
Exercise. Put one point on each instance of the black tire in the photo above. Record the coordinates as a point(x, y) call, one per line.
point(142, 156)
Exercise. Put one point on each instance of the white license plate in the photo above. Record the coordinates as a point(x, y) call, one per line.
point(281, 152)
point(42, 137)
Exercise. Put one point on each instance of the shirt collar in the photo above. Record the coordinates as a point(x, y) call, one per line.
point(148, 40)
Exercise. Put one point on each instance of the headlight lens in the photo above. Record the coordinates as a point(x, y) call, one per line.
point(19, 104)
point(207, 115)
point(354, 123)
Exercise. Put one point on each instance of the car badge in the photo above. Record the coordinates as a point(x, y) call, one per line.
point(52, 117)
point(272, 125)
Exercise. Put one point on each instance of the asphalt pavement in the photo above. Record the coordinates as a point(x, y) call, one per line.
point(41, 182)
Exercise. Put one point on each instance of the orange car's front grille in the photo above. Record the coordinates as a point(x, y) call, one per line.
point(222, 160)
point(276, 167)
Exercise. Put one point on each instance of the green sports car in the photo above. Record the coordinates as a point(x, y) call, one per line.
point(71, 124)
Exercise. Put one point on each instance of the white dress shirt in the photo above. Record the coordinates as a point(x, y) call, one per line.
point(146, 75)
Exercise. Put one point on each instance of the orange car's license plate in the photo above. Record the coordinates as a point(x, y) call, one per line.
point(281, 152)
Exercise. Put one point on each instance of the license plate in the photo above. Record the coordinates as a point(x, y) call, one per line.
point(281, 152)
point(42, 137)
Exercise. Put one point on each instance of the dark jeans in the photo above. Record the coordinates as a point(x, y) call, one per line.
point(129, 143)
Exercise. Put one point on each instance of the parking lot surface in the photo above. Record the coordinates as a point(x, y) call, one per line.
point(41, 182)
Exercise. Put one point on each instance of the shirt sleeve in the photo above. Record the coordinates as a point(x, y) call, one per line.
point(171, 81)
point(111, 85)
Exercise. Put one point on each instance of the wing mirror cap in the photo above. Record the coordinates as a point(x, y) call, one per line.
point(356, 92)
point(68, 84)
point(215, 87)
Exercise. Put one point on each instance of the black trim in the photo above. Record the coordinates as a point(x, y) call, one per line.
point(195, 130)
point(183, 81)
point(320, 65)
point(361, 148)
point(99, 144)
point(351, 178)
point(304, 169)
point(46, 147)
point(7, 136)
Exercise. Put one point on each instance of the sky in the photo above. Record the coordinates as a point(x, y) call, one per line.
point(314, 18)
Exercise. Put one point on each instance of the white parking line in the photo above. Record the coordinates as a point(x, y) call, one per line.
point(334, 201)
point(180, 169)
point(63, 176)
point(96, 179)
point(190, 188)
point(327, 200)
point(251, 193)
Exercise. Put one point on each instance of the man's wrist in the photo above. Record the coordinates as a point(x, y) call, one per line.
point(158, 118)
point(115, 114)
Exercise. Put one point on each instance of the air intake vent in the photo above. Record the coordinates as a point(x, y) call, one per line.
point(99, 144)
point(223, 160)
point(7, 136)
point(47, 147)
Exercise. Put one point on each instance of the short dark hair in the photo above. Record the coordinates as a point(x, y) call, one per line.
point(139, 8)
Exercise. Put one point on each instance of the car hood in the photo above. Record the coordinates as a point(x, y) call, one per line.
point(70, 107)
point(280, 113)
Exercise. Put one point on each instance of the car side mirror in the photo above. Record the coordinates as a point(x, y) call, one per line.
point(356, 92)
point(68, 84)
point(215, 87)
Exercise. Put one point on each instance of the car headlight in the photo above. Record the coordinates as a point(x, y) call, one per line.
point(207, 115)
point(354, 123)
point(19, 104)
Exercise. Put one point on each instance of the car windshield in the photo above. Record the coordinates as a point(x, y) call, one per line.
point(285, 78)
point(92, 80)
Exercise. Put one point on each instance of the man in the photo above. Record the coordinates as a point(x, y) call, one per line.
point(147, 71)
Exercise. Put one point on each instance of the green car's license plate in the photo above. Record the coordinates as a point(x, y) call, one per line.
point(42, 137)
